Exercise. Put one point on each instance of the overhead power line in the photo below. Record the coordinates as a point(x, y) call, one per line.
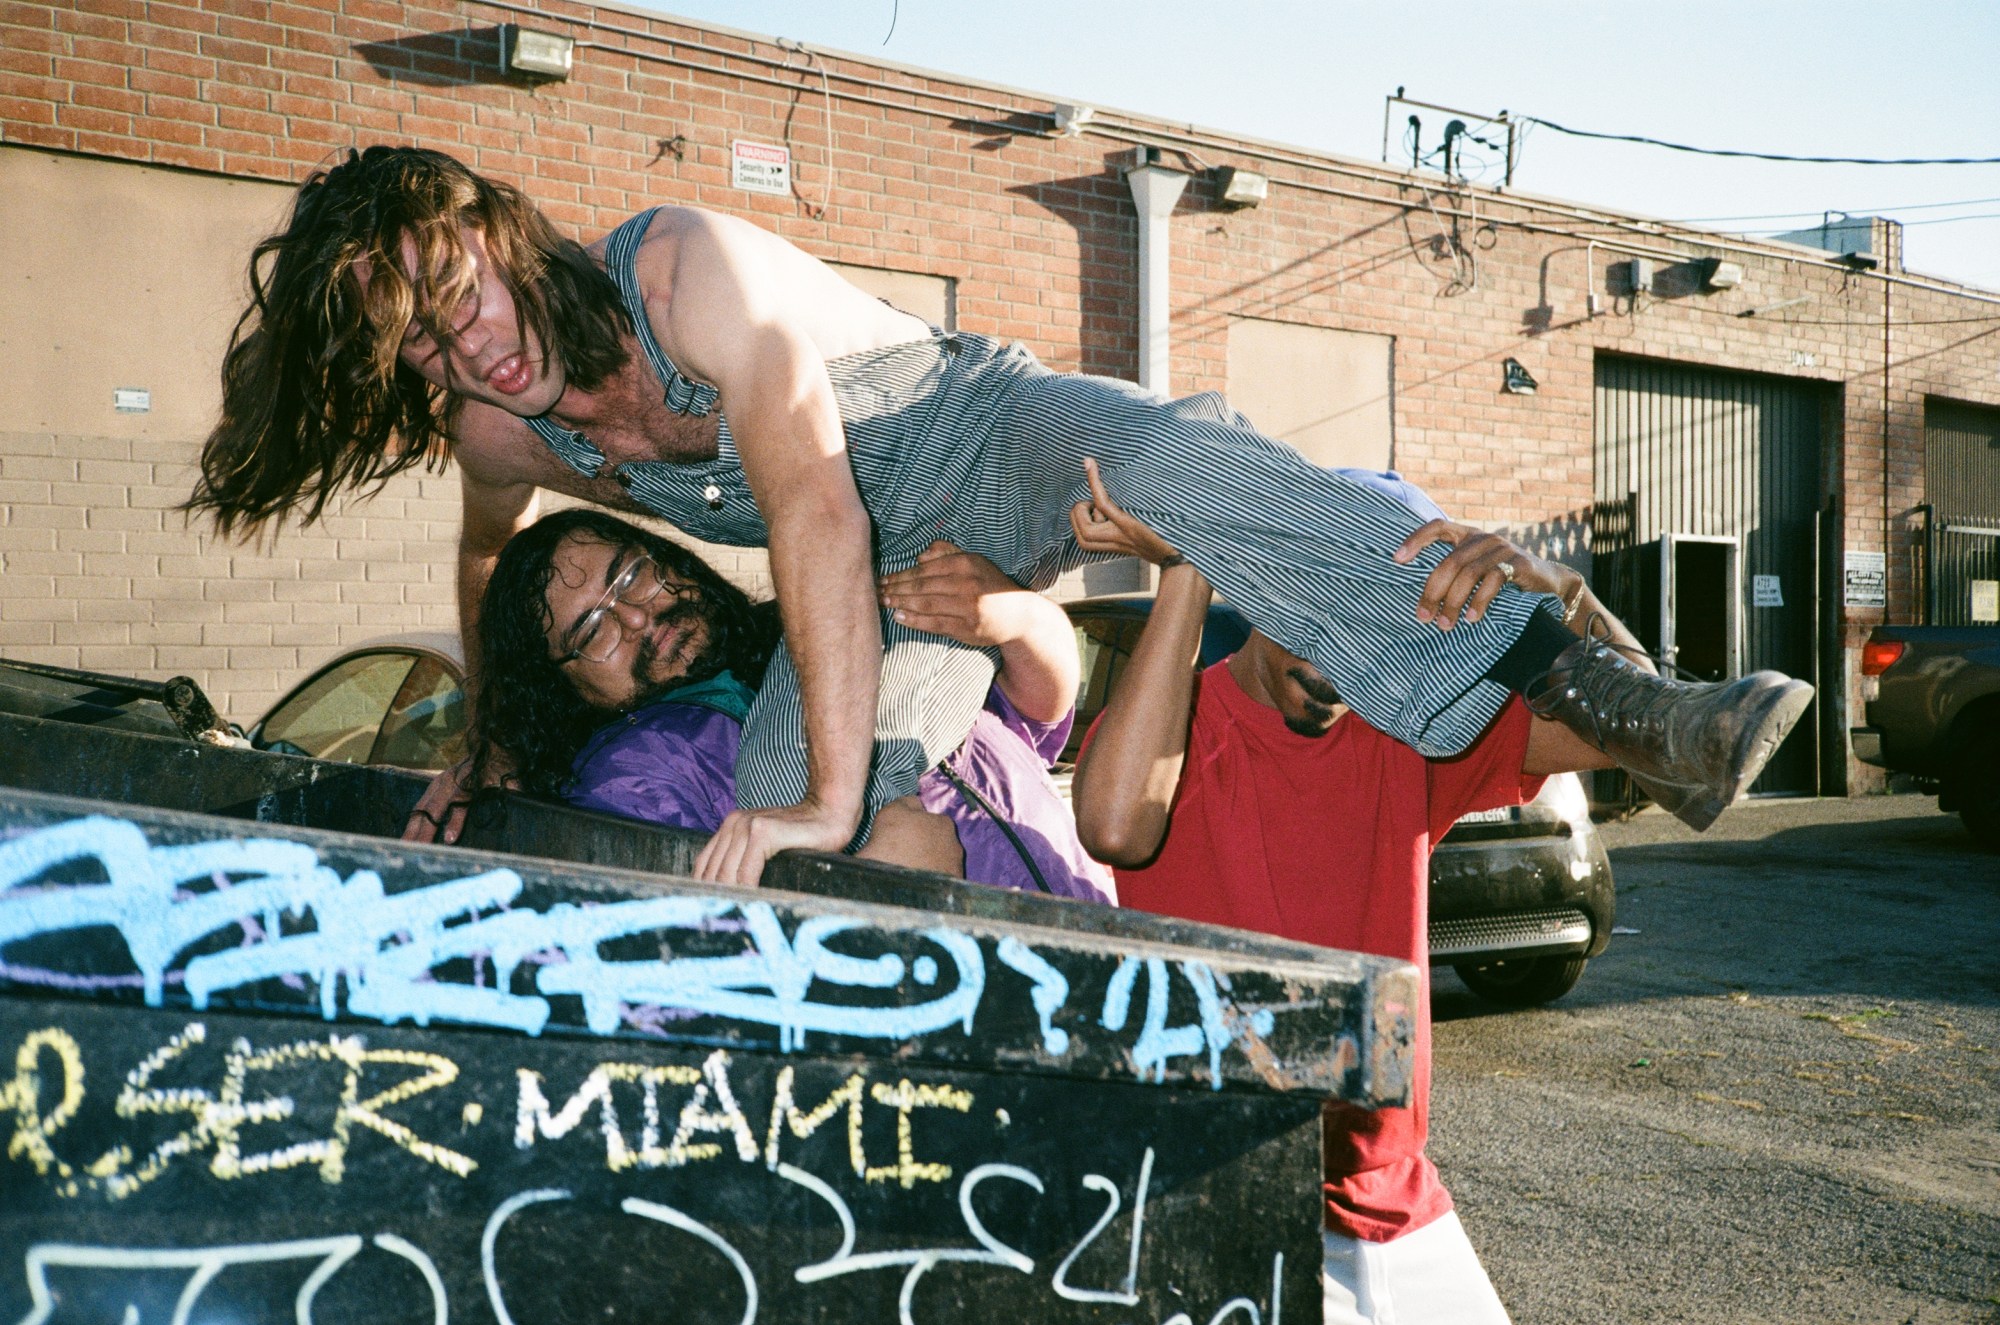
point(1851, 211)
point(1769, 156)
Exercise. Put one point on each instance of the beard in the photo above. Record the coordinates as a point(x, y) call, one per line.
point(698, 656)
point(1317, 720)
point(1319, 715)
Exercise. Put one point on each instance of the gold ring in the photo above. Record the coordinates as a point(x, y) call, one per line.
point(1507, 571)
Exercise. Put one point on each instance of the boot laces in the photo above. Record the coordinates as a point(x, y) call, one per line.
point(1615, 695)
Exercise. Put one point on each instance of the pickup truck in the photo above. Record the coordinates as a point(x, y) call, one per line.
point(1933, 711)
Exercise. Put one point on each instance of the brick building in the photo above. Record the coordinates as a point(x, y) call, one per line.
point(1793, 450)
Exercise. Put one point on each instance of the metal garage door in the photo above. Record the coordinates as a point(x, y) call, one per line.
point(1705, 536)
point(1962, 488)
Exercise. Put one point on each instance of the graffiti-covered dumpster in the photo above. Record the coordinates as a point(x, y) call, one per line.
point(257, 1070)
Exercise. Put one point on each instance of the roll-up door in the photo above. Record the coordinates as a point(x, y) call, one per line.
point(1962, 487)
point(1706, 536)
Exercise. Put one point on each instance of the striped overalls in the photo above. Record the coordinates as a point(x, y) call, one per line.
point(961, 438)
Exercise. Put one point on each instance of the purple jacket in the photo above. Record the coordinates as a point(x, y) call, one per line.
point(674, 763)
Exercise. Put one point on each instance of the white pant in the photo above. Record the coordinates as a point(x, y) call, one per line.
point(1429, 1277)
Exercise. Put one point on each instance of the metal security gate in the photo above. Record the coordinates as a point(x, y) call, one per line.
point(1706, 532)
point(1962, 491)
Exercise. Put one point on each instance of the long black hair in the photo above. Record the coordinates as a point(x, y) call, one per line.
point(525, 707)
point(315, 399)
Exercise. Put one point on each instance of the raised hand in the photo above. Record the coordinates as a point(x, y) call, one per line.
point(1100, 525)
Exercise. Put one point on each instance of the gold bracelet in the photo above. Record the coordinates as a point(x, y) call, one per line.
point(1573, 601)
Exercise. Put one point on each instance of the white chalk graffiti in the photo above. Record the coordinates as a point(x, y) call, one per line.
point(1129, 1294)
point(208, 1262)
point(385, 949)
point(204, 1264)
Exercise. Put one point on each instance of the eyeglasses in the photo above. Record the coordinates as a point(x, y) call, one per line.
point(637, 584)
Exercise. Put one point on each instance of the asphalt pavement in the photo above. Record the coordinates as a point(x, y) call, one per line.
point(1778, 1101)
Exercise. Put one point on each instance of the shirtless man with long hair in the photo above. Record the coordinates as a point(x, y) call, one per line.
point(412, 309)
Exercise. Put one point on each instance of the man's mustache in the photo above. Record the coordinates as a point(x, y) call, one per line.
point(1316, 686)
point(680, 610)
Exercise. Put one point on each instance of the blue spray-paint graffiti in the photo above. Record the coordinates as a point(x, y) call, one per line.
point(1051, 989)
point(384, 948)
point(1159, 1042)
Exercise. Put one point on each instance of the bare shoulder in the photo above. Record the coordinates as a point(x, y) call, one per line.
point(710, 280)
point(494, 449)
point(689, 240)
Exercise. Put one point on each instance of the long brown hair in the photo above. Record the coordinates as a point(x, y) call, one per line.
point(314, 397)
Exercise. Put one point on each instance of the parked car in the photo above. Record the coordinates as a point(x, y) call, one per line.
point(1933, 711)
point(1520, 898)
point(398, 701)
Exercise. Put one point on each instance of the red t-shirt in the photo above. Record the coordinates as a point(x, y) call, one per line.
point(1327, 840)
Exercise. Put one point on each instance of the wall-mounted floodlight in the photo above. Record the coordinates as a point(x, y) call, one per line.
point(1719, 275)
point(1070, 120)
point(526, 53)
point(1241, 188)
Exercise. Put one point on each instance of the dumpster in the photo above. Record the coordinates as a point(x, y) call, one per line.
point(261, 1062)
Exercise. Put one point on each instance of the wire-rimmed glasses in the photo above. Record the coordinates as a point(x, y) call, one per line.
point(636, 584)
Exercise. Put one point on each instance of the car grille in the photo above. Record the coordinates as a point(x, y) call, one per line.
point(1523, 929)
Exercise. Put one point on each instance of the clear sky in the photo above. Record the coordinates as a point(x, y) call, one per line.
point(1884, 78)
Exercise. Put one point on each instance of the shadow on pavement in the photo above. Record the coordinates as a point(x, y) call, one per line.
point(1872, 899)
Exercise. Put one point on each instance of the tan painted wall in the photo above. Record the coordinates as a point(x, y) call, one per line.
point(119, 276)
point(932, 298)
point(1325, 391)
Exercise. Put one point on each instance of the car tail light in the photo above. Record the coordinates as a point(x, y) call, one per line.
point(1878, 656)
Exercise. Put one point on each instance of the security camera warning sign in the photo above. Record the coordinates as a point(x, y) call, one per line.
point(760, 167)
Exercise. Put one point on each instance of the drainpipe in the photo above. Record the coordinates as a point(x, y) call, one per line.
point(1155, 190)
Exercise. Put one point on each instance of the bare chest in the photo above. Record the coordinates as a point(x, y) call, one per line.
point(627, 420)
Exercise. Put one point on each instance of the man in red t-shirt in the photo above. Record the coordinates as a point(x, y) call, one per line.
point(1275, 809)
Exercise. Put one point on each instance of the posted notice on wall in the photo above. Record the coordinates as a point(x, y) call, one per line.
point(1986, 600)
point(760, 167)
point(1866, 581)
point(1766, 591)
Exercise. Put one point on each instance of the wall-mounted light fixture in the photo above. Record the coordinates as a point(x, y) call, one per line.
point(526, 53)
point(1719, 275)
point(1517, 381)
point(1241, 188)
point(1071, 120)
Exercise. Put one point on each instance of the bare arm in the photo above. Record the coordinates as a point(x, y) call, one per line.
point(1127, 776)
point(728, 322)
point(1467, 581)
point(965, 597)
point(492, 514)
point(907, 834)
point(493, 511)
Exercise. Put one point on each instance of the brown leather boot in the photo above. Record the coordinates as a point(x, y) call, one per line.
point(1692, 746)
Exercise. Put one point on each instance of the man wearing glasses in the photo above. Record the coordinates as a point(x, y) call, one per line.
point(614, 678)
